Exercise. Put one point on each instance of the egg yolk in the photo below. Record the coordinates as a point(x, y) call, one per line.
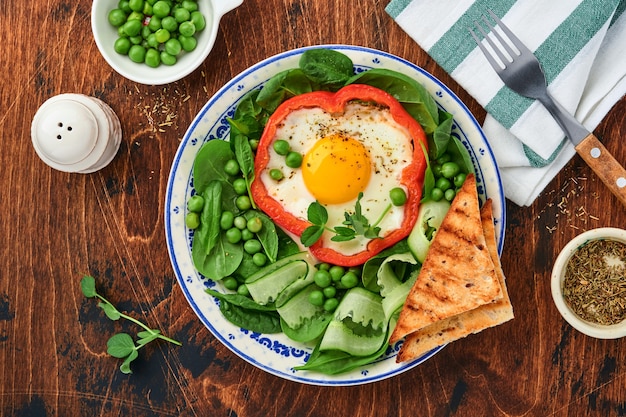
point(336, 169)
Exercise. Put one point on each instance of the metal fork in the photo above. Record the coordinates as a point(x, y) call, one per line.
point(521, 72)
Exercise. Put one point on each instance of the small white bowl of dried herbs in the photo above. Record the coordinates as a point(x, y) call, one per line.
point(589, 283)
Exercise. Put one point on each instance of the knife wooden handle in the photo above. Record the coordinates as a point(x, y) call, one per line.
point(604, 165)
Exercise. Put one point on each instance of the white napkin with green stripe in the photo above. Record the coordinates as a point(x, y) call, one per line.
point(581, 45)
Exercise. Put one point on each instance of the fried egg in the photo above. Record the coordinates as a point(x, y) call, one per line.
point(362, 150)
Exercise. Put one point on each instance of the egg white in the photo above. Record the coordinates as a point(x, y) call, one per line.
point(390, 148)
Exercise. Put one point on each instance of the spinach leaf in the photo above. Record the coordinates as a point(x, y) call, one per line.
point(411, 94)
point(282, 86)
point(209, 163)
point(248, 106)
point(460, 155)
point(441, 135)
point(221, 262)
point(245, 313)
point(245, 125)
point(209, 230)
point(330, 69)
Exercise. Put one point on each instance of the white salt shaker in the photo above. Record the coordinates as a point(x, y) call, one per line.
point(76, 133)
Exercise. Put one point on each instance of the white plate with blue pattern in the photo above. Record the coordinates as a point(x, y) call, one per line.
point(275, 353)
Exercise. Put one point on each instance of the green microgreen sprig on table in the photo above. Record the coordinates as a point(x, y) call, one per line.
point(122, 345)
point(355, 224)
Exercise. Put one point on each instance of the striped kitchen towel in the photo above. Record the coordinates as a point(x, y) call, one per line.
point(581, 45)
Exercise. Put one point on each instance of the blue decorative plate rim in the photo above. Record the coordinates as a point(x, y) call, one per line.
point(269, 352)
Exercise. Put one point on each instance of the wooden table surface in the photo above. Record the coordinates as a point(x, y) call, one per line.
point(56, 227)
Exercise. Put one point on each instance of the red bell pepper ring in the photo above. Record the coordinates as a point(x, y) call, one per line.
point(335, 103)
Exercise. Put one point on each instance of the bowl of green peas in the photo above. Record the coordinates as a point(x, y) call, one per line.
point(157, 42)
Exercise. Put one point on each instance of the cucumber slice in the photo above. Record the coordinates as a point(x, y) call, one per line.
point(430, 217)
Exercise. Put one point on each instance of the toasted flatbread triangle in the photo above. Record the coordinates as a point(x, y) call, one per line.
point(456, 327)
point(458, 273)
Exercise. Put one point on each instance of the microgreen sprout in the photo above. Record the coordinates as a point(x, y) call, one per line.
point(355, 224)
point(121, 345)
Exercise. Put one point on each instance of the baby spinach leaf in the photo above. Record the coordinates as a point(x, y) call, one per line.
point(221, 262)
point(311, 328)
point(244, 312)
point(326, 67)
point(248, 106)
point(209, 163)
point(284, 85)
point(441, 135)
point(207, 234)
point(411, 94)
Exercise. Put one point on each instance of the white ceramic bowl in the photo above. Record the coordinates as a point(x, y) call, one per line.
point(105, 35)
point(558, 275)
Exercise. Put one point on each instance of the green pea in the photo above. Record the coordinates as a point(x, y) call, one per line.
point(450, 194)
point(450, 169)
point(243, 202)
point(145, 32)
point(121, 46)
point(167, 59)
point(132, 27)
point(232, 167)
point(173, 47)
point(293, 160)
point(329, 292)
point(123, 6)
point(195, 203)
point(153, 58)
point(230, 283)
point(147, 9)
point(276, 174)
point(316, 298)
point(254, 144)
point(136, 40)
point(336, 272)
point(243, 290)
point(254, 224)
point(152, 41)
point(233, 235)
point(117, 17)
point(188, 43)
point(227, 220)
point(459, 179)
point(331, 304)
point(162, 35)
point(161, 9)
point(240, 222)
point(281, 147)
point(259, 259)
point(187, 29)
point(436, 194)
point(324, 266)
point(246, 234)
point(155, 23)
point(198, 20)
point(192, 220)
point(135, 5)
point(252, 246)
point(443, 183)
point(136, 16)
point(169, 23)
point(397, 196)
point(322, 278)
point(349, 280)
point(192, 6)
point(182, 15)
point(240, 185)
point(137, 53)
